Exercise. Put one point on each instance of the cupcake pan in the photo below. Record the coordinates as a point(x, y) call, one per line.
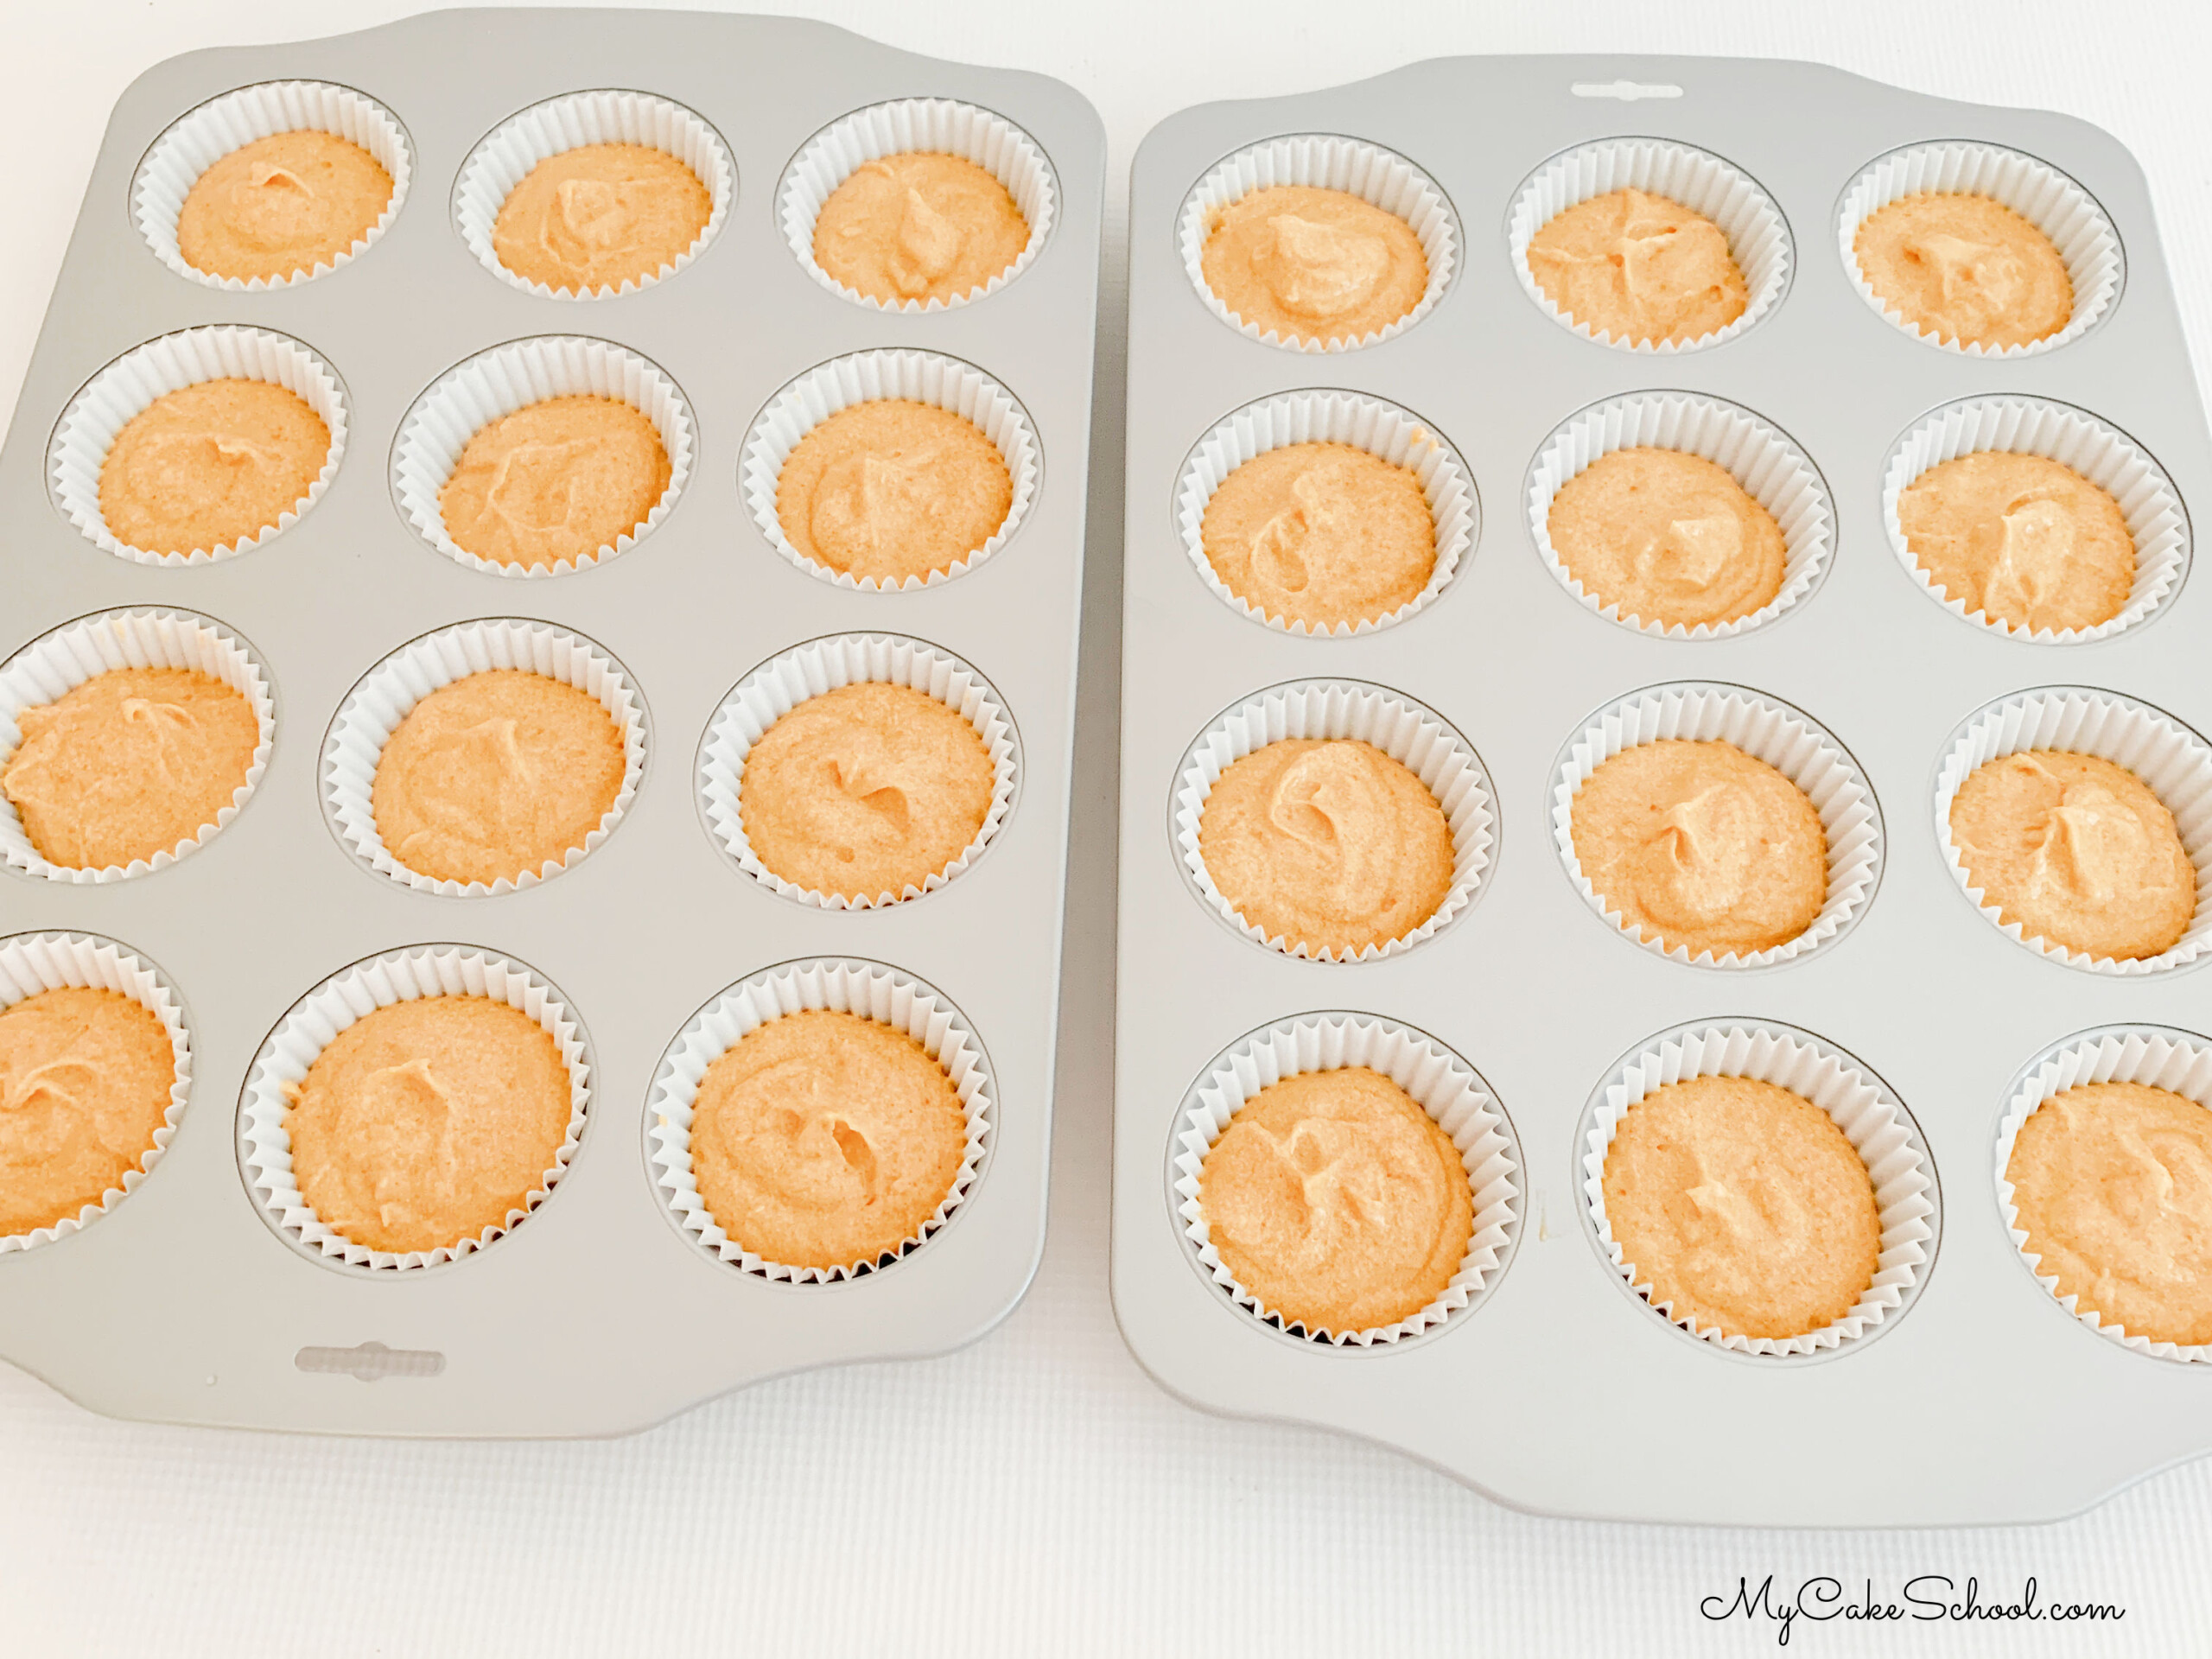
point(593, 1314)
point(1591, 1404)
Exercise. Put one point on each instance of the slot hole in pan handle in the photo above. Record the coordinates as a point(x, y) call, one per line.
point(1627, 91)
point(369, 1362)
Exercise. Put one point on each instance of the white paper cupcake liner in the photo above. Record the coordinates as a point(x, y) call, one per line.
point(912, 376)
point(140, 377)
point(203, 137)
point(869, 989)
point(2174, 761)
point(389, 692)
point(32, 962)
point(1767, 729)
point(935, 126)
point(1875, 1123)
point(473, 394)
point(1415, 737)
point(1443, 1085)
point(2104, 455)
point(2040, 194)
point(266, 1145)
point(1759, 236)
point(1376, 175)
point(1772, 469)
point(2156, 1056)
point(1381, 429)
point(505, 156)
point(57, 663)
point(781, 683)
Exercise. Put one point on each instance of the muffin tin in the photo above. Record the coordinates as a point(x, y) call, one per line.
point(1970, 1396)
point(600, 1311)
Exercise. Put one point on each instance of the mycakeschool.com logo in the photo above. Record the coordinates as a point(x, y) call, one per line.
point(1928, 1598)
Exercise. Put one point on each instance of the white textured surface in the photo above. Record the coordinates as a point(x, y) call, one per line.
point(1036, 1494)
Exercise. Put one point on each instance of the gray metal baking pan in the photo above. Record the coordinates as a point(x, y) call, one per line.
point(1984, 1401)
point(595, 1315)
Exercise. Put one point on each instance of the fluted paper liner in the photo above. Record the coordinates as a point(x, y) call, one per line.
point(1443, 1085)
point(1767, 729)
point(1759, 236)
point(1875, 1123)
point(2056, 205)
point(869, 989)
point(197, 140)
point(32, 962)
point(781, 683)
point(2173, 761)
point(389, 692)
point(2101, 453)
point(1376, 175)
point(914, 377)
point(57, 663)
point(940, 126)
point(1383, 430)
point(2156, 1056)
point(1415, 737)
point(266, 1145)
point(139, 379)
point(1772, 469)
point(491, 384)
point(507, 155)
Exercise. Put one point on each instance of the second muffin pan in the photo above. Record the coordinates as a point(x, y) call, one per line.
point(204, 1293)
point(1545, 1378)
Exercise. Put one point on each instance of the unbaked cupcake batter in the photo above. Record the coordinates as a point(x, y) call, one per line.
point(892, 491)
point(1312, 264)
point(2112, 1182)
point(1702, 846)
point(208, 465)
point(85, 1082)
point(1321, 533)
point(1668, 538)
point(496, 775)
point(554, 482)
point(131, 763)
point(2078, 851)
point(599, 216)
point(919, 226)
point(1742, 1204)
point(1327, 844)
point(282, 204)
point(825, 1140)
point(1966, 269)
point(1338, 1201)
point(426, 1122)
point(2021, 539)
point(1638, 267)
point(867, 789)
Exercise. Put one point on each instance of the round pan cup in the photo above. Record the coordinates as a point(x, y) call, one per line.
point(869, 989)
point(2101, 453)
point(57, 663)
point(202, 137)
point(1875, 1123)
point(389, 692)
point(1378, 176)
point(940, 126)
point(34, 962)
point(1759, 236)
point(1380, 430)
point(1443, 1085)
point(1413, 736)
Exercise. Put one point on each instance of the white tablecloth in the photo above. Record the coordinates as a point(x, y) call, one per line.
point(1035, 1494)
